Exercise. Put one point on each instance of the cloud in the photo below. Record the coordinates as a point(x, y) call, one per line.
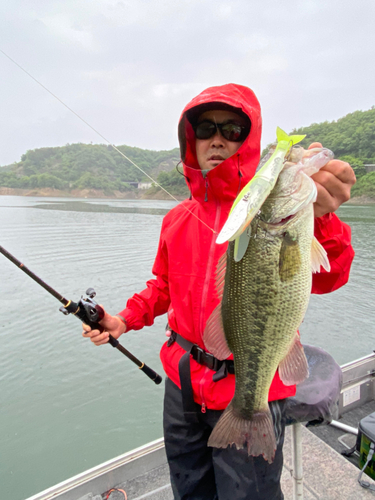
point(165, 90)
point(129, 68)
point(62, 27)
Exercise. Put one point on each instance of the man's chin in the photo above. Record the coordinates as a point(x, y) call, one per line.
point(213, 163)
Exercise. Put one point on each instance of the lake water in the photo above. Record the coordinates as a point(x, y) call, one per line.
point(66, 405)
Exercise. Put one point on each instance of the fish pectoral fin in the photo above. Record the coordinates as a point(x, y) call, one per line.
point(319, 257)
point(214, 336)
point(241, 243)
point(294, 368)
point(290, 258)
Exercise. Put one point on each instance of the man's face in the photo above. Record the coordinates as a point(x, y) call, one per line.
point(211, 152)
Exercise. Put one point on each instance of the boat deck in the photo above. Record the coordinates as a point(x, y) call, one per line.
point(143, 473)
point(327, 475)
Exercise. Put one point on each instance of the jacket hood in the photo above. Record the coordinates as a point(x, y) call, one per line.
point(225, 179)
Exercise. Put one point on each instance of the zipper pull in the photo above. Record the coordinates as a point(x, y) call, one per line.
point(203, 409)
point(206, 196)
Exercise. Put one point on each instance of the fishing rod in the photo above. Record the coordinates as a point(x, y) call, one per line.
point(87, 310)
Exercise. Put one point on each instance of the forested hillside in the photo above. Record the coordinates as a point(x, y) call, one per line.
point(352, 139)
point(85, 166)
point(99, 167)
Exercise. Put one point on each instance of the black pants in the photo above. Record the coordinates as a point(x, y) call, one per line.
point(202, 473)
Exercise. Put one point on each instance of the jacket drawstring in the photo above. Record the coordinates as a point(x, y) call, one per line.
point(187, 180)
point(239, 174)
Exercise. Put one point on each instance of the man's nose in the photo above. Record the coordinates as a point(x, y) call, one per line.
point(217, 139)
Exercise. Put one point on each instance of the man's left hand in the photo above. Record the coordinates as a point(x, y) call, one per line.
point(333, 182)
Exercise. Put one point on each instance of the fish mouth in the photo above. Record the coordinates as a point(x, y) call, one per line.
point(282, 222)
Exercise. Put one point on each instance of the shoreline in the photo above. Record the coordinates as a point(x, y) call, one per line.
point(128, 195)
point(87, 193)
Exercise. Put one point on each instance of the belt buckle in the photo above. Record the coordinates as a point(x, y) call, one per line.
point(211, 362)
point(205, 358)
point(199, 354)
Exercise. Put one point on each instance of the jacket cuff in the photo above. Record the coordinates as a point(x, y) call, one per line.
point(123, 321)
point(126, 317)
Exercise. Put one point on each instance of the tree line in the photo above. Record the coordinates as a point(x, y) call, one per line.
point(85, 166)
point(82, 166)
point(351, 138)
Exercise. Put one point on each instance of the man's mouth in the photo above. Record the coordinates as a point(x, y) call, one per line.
point(216, 158)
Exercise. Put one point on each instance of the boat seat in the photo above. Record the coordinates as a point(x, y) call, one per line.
point(316, 399)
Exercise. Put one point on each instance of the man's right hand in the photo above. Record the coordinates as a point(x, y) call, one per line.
point(112, 326)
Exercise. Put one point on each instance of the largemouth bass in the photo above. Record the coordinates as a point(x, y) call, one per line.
point(264, 283)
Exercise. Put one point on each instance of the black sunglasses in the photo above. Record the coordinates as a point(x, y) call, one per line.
point(230, 131)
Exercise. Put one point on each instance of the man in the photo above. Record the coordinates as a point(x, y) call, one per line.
point(219, 134)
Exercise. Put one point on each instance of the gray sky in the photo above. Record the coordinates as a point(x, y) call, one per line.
point(129, 67)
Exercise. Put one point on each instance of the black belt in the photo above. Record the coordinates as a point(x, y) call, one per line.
point(221, 367)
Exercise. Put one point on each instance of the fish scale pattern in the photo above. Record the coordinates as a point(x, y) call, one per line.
point(264, 301)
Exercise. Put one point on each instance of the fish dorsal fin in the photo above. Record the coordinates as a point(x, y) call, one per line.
point(292, 139)
point(214, 336)
point(319, 257)
point(220, 275)
point(294, 368)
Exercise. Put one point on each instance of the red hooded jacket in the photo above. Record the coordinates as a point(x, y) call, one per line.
point(185, 264)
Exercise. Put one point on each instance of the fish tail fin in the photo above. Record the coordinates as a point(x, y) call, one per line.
point(257, 434)
point(283, 136)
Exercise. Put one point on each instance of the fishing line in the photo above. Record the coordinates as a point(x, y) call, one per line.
point(102, 136)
